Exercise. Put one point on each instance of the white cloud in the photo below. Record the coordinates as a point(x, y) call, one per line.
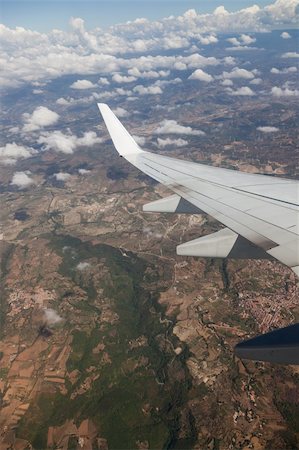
point(268, 129)
point(62, 176)
point(11, 152)
point(280, 92)
point(242, 91)
point(171, 142)
point(83, 84)
point(117, 78)
point(286, 70)
point(83, 171)
point(256, 81)
point(21, 179)
point(67, 143)
point(290, 55)
point(285, 35)
point(139, 139)
point(40, 118)
point(227, 82)
point(200, 75)
point(103, 81)
point(246, 39)
point(149, 90)
point(51, 316)
point(121, 112)
point(83, 265)
point(29, 56)
point(172, 127)
point(238, 73)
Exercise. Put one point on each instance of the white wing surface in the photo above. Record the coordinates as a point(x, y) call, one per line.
point(260, 212)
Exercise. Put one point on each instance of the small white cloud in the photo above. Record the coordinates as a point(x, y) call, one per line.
point(286, 70)
point(103, 81)
point(238, 73)
point(256, 81)
point(280, 92)
point(172, 127)
point(227, 82)
point(21, 179)
point(40, 118)
point(37, 91)
point(268, 129)
point(62, 176)
point(11, 152)
point(149, 90)
point(243, 91)
point(83, 84)
point(51, 316)
point(139, 139)
point(171, 142)
point(120, 112)
point(83, 171)
point(290, 55)
point(83, 265)
point(200, 75)
point(246, 39)
point(285, 35)
point(233, 41)
point(67, 143)
point(117, 78)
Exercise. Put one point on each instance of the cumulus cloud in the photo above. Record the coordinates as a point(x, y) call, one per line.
point(62, 176)
point(171, 142)
point(242, 91)
point(285, 35)
point(200, 75)
point(139, 139)
point(256, 81)
point(83, 171)
point(268, 129)
point(30, 57)
point(286, 70)
point(290, 55)
point(147, 90)
point(21, 179)
point(238, 73)
point(83, 265)
point(40, 118)
point(83, 84)
point(66, 142)
point(11, 152)
point(172, 127)
point(117, 78)
point(51, 316)
point(284, 92)
point(103, 81)
point(120, 112)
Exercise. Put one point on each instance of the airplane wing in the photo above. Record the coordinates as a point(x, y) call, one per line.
point(260, 212)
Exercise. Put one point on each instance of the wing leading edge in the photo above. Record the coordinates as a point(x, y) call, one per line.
point(261, 213)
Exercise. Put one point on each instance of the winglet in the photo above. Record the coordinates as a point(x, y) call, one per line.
point(122, 140)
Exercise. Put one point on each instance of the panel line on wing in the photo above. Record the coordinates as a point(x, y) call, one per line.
point(228, 188)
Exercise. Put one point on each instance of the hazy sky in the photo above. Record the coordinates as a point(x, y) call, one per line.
point(44, 15)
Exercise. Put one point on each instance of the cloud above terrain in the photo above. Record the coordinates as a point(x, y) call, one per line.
point(21, 179)
point(172, 127)
point(67, 142)
point(200, 75)
point(268, 129)
point(171, 142)
point(29, 56)
point(11, 152)
point(51, 316)
point(40, 118)
point(83, 84)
